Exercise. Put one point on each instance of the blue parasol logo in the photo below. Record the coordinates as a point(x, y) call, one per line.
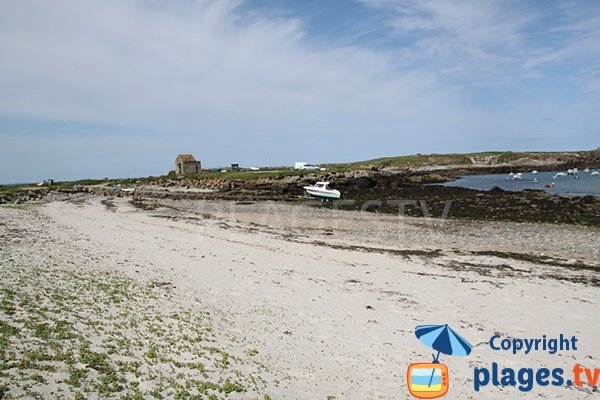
point(443, 339)
point(430, 380)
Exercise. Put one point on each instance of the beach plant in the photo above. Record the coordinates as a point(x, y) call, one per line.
point(76, 326)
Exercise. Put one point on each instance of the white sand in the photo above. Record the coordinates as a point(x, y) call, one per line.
point(304, 306)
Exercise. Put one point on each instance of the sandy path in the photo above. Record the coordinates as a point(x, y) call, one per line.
point(339, 322)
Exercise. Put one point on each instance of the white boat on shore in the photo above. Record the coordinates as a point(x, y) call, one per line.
point(323, 191)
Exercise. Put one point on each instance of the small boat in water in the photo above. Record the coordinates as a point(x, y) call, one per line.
point(322, 191)
point(595, 173)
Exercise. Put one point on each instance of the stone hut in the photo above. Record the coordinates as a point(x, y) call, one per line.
point(186, 164)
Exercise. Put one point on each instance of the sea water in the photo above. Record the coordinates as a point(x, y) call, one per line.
point(582, 183)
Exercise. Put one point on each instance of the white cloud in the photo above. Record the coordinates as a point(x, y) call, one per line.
point(495, 42)
point(208, 76)
point(188, 66)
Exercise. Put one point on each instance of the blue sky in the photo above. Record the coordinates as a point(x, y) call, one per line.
point(113, 88)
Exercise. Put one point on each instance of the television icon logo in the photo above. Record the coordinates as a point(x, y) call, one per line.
point(430, 380)
point(427, 380)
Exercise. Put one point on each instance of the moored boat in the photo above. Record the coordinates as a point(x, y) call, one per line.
point(323, 191)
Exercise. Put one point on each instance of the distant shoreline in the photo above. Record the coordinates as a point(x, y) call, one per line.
point(478, 162)
point(377, 186)
point(563, 185)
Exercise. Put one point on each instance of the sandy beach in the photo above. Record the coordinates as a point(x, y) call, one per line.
point(261, 300)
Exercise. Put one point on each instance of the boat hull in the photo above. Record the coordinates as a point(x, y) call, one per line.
point(332, 194)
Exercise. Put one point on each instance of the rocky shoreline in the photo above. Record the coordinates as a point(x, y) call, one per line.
point(380, 191)
point(369, 190)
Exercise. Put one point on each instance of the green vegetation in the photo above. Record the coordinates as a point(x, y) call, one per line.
point(493, 157)
point(248, 175)
point(85, 330)
point(7, 189)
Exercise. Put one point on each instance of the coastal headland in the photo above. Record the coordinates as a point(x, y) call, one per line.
point(376, 185)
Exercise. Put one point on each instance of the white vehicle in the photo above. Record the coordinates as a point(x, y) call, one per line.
point(303, 166)
point(595, 173)
point(323, 191)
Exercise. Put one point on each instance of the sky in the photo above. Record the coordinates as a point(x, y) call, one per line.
point(118, 88)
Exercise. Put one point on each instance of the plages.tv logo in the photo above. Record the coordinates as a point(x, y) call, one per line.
point(428, 380)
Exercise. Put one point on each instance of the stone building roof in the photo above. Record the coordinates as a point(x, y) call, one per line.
point(185, 158)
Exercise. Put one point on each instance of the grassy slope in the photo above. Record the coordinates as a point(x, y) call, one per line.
point(498, 157)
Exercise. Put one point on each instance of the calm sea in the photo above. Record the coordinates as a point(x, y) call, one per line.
point(581, 183)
